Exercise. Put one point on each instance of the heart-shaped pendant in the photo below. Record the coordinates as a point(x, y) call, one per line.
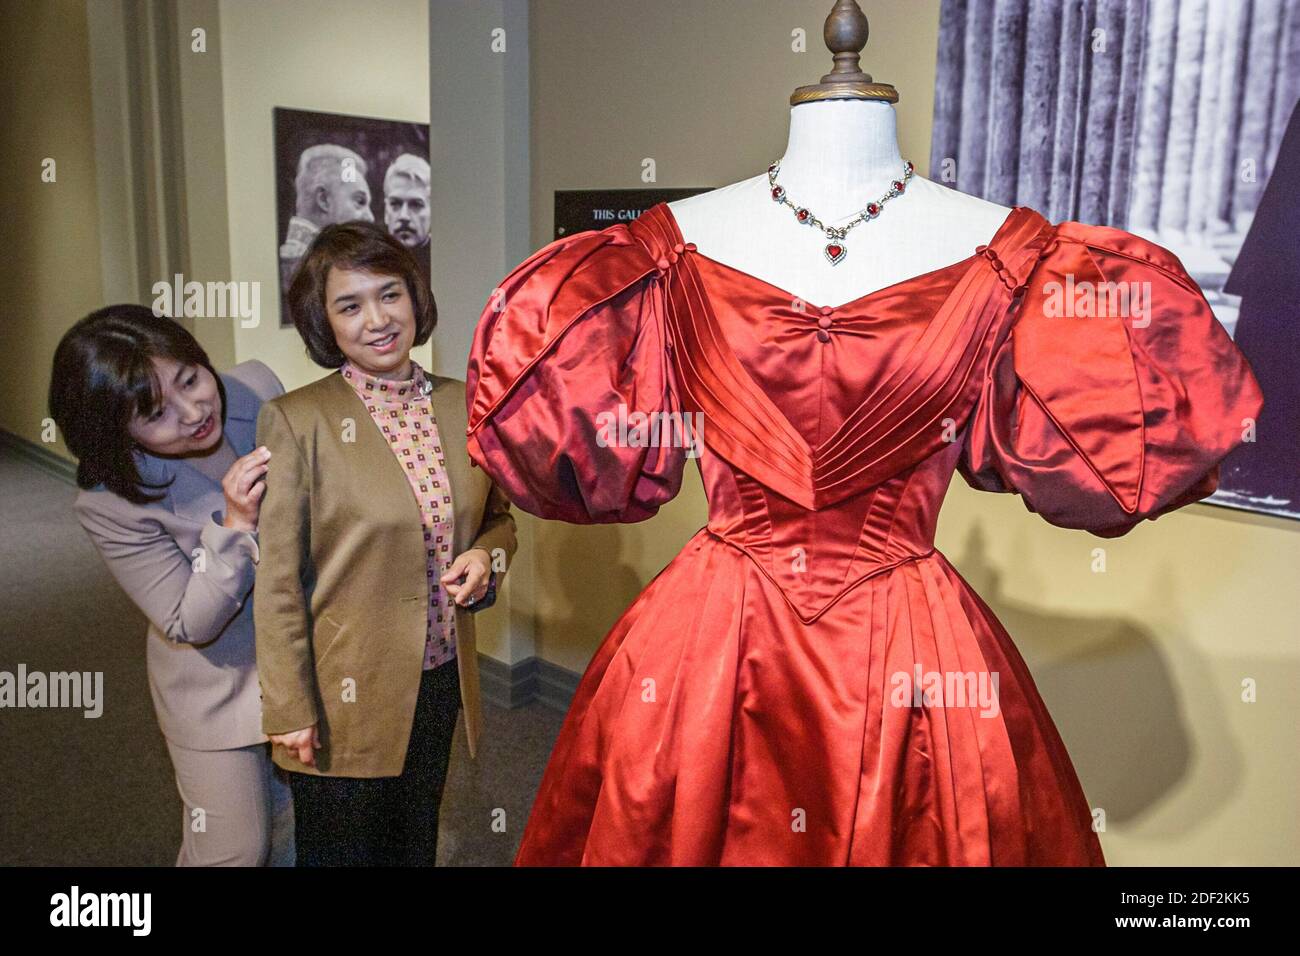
point(835, 252)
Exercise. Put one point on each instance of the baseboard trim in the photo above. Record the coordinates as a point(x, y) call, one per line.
point(39, 455)
point(527, 681)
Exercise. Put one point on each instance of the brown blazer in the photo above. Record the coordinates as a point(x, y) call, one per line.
point(341, 604)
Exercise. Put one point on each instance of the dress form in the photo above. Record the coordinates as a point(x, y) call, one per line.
point(840, 155)
point(833, 440)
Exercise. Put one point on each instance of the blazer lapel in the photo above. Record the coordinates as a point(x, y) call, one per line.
point(372, 449)
point(449, 411)
point(242, 406)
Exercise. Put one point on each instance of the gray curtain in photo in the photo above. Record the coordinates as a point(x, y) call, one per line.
point(1159, 114)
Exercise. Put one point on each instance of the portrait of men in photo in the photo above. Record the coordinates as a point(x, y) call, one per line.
point(330, 187)
point(330, 167)
point(406, 206)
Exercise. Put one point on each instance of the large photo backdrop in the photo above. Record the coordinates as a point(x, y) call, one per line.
point(1172, 119)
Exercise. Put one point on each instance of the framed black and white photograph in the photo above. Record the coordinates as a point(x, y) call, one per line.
point(334, 168)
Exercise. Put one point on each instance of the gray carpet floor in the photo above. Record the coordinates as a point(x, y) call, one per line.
point(100, 792)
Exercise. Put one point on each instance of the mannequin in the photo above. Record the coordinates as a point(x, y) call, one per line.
point(781, 634)
point(842, 152)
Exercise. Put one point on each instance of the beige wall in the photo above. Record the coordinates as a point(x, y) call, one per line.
point(49, 231)
point(1141, 665)
point(336, 56)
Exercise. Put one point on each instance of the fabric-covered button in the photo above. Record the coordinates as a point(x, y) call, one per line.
point(826, 310)
point(823, 335)
point(824, 322)
point(690, 247)
point(662, 263)
point(678, 248)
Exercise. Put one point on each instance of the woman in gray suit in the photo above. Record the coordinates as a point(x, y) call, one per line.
point(171, 493)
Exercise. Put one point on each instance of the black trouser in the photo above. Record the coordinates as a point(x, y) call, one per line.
point(383, 821)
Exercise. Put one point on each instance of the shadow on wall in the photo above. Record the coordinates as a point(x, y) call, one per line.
point(1115, 699)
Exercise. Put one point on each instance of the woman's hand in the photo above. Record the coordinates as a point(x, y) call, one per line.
point(476, 565)
point(300, 743)
point(244, 486)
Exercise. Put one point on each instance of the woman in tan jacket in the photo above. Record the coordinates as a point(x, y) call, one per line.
point(378, 541)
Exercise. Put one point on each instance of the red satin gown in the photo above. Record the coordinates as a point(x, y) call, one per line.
point(746, 708)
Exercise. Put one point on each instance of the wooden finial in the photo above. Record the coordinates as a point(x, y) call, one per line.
point(845, 34)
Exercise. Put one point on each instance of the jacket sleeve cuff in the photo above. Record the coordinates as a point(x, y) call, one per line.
point(288, 718)
point(500, 537)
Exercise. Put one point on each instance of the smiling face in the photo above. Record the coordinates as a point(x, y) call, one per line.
point(186, 419)
point(373, 320)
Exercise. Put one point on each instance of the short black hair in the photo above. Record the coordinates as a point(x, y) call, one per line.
point(104, 376)
point(353, 245)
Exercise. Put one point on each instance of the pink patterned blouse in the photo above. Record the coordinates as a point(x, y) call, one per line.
point(405, 415)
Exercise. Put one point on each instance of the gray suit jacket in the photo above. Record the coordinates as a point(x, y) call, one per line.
point(192, 577)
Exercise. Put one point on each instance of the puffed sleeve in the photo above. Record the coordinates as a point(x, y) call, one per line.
point(571, 399)
point(1116, 393)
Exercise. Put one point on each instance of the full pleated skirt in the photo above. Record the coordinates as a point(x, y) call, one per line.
point(900, 728)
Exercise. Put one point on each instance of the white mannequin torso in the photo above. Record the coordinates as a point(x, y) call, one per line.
point(841, 154)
